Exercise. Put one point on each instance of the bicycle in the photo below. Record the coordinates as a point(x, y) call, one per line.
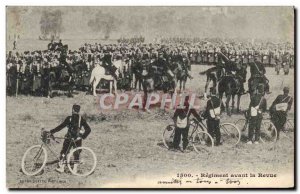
point(289, 126)
point(199, 136)
point(200, 139)
point(35, 158)
point(268, 131)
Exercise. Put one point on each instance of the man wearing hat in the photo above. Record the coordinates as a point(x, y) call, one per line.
point(74, 123)
point(279, 109)
point(181, 119)
point(258, 105)
point(258, 70)
point(212, 114)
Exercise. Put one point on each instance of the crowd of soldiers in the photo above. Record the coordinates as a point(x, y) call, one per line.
point(29, 71)
point(206, 52)
point(133, 40)
point(36, 72)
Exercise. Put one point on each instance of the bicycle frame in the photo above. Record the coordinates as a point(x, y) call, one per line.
point(55, 154)
point(197, 125)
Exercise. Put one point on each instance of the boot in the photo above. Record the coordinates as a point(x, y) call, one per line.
point(61, 166)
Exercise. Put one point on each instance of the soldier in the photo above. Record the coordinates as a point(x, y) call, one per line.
point(212, 114)
point(279, 109)
point(286, 62)
point(50, 45)
point(258, 105)
point(74, 123)
point(225, 62)
point(181, 119)
point(277, 61)
point(245, 56)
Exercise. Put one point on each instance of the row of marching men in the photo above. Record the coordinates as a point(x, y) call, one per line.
point(268, 57)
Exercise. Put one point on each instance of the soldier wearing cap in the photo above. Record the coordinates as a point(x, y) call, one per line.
point(212, 114)
point(279, 109)
point(258, 70)
point(74, 123)
point(181, 119)
point(258, 105)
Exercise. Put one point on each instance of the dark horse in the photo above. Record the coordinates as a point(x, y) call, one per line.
point(254, 83)
point(166, 81)
point(83, 74)
point(232, 85)
point(213, 74)
point(60, 79)
point(181, 75)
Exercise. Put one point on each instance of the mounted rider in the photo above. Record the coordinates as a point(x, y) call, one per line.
point(108, 64)
point(161, 68)
point(181, 59)
point(233, 69)
point(258, 70)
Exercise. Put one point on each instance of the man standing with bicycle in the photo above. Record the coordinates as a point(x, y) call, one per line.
point(74, 123)
point(279, 109)
point(258, 105)
point(212, 114)
point(181, 119)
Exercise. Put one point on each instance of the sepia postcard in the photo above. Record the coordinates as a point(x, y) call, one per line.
point(150, 97)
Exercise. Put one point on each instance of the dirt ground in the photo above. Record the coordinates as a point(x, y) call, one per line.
point(128, 144)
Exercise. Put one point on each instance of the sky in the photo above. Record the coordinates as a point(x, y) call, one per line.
point(204, 22)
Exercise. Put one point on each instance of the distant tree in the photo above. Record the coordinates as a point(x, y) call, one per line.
point(51, 23)
point(104, 23)
point(15, 18)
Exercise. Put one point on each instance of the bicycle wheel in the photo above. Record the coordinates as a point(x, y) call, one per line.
point(230, 134)
point(168, 136)
point(34, 160)
point(202, 141)
point(268, 132)
point(85, 165)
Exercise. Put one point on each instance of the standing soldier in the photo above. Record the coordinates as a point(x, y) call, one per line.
point(15, 42)
point(266, 56)
point(251, 55)
point(286, 63)
point(257, 106)
point(181, 119)
point(245, 56)
point(210, 55)
point(279, 109)
point(277, 61)
point(212, 114)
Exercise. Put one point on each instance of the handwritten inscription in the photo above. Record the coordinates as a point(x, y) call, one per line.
point(234, 179)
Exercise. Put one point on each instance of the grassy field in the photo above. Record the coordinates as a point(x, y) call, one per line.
point(128, 144)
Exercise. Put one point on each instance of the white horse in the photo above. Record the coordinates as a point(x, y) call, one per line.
point(98, 73)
